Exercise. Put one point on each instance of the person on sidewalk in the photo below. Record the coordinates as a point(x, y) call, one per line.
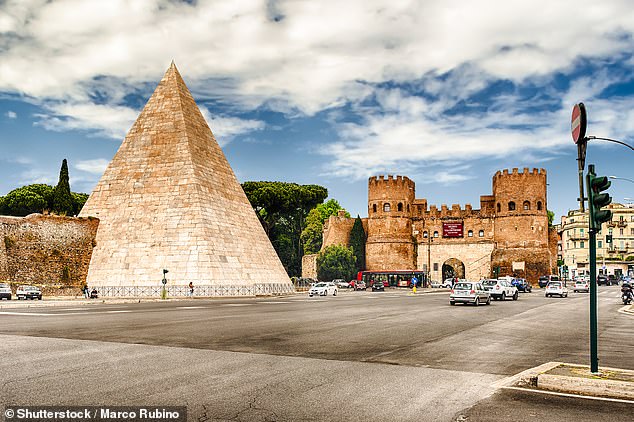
point(191, 289)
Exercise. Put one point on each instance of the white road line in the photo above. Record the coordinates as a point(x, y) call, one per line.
point(237, 304)
point(274, 303)
point(27, 313)
point(191, 307)
point(115, 312)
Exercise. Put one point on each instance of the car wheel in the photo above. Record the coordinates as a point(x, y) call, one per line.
point(39, 298)
point(334, 293)
point(503, 296)
point(515, 296)
point(547, 295)
point(477, 301)
point(452, 303)
point(310, 295)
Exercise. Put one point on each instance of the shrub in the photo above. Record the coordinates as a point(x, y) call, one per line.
point(336, 261)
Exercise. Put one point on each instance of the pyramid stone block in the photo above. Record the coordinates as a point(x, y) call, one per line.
point(170, 200)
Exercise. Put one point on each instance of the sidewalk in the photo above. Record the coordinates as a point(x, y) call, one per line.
point(573, 379)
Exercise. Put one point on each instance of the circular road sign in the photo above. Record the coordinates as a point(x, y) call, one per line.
point(578, 123)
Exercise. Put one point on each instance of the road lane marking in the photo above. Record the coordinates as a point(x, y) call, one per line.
point(191, 307)
point(237, 304)
point(27, 313)
point(274, 302)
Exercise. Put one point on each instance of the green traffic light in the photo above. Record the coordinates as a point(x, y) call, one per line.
point(598, 200)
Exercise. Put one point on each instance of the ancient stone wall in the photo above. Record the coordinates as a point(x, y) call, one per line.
point(46, 249)
point(476, 258)
point(528, 263)
point(309, 266)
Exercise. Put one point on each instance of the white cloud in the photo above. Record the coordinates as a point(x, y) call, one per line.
point(11, 114)
point(319, 56)
point(96, 166)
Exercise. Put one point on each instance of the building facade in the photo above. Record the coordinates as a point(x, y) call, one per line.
point(508, 235)
point(613, 257)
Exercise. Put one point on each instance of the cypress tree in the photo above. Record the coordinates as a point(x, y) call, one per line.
point(357, 242)
point(62, 197)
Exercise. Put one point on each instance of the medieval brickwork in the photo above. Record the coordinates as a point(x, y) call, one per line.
point(46, 250)
point(508, 235)
point(170, 200)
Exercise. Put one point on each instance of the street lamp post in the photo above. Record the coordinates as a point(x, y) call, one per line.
point(429, 240)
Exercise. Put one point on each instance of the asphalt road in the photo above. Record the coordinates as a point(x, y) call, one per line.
point(358, 356)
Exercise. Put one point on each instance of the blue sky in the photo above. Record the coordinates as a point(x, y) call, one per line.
point(327, 92)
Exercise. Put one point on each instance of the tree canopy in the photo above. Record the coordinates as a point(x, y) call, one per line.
point(336, 261)
point(312, 235)
point(357, 243)
point(282, 209)
point(39, 198)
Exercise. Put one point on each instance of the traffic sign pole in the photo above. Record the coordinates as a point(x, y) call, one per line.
point(578, 124)
point(594, 354)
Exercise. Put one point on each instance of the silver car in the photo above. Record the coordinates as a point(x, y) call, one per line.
point(469, 292)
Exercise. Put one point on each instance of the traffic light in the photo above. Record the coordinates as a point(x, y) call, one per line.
point(597, 200)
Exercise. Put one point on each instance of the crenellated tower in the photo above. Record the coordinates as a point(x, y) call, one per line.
point(520, 208)
point(390, 244)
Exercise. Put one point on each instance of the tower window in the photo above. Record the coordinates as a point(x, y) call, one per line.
point(386, 207)
point(539, 205)
point(527, 206)
point(435, 234)
point(470, 233)
point(400, 207)
point(425, 234)
point(499, 207)
point(373, 207)
point(481, 233)
point(511, 206)
point(407, 207)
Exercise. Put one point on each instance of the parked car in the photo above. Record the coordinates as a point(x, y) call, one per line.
point(556, 288)
point(341, 284)
point(581, 286)
point(28, 292)
point(522, 285)
point(612, 279)
point(378, 285)
point(323, 289)
point(448, 283)
point(500, 289)
point(545, 279)
point(469, 292)
point(601, 280)
point(5, 291)
point(360, 285)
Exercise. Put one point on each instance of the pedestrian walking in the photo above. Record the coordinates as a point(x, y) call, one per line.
point(191, 289)
point(85, 291)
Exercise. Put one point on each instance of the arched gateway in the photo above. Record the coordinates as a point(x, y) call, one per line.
point(453, 268)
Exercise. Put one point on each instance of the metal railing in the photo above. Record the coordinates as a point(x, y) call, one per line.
point(261, 289)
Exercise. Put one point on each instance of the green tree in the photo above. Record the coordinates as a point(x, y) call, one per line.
point(551, 217)
point(79, 199)
point(312, 235)
point(282, 209)
point(63, 202)
point(336, 261)
point(22, 201)
point(357, 243)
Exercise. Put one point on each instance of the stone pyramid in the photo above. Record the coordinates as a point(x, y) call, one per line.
point(170, 200)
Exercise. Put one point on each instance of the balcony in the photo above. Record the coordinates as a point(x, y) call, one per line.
point(611, 223)
point(621, 223)
point(578, 236)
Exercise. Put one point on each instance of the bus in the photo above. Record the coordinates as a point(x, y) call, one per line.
point(393, 278)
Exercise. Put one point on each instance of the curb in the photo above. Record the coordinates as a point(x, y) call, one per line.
point(538, 380)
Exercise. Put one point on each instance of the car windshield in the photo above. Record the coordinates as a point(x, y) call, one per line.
point(554, 284)
point(490, 282)
point(462, 286)
point(580, 282)
point(320, 285)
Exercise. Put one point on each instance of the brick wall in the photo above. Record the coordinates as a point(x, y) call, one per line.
point(46, 250)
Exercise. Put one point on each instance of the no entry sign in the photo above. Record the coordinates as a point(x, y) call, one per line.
point(578, 122)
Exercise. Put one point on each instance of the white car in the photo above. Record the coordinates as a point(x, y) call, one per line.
point(500, 289)
point(5, 291)
point(556, 288)
point(323, 289)
point(469, 292)
point(581, 286)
